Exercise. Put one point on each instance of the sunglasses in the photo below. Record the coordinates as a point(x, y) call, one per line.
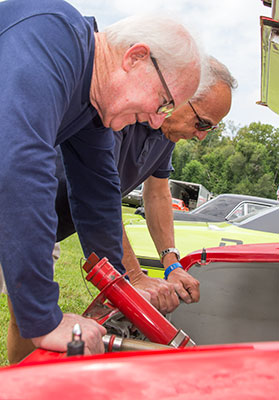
point(203, 124)
point(166, 108)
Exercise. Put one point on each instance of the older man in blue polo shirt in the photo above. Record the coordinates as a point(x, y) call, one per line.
point(57, 77)
point(144, 154)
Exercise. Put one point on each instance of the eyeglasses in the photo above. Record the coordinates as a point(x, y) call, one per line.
point(203, 124)
point(166, 108)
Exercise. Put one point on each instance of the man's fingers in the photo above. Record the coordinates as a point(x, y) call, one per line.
point(144, 293)
point(162, 293)
point(167, 297)
point(189, 294)
point(194, 293)
point(186, 286)
point(168, 300)
point(173, 301)
point(92, 337)
point(183, 293)
point(58, 339)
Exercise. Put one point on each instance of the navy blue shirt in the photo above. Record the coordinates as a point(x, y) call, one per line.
point(140, 152)
point(46, 61)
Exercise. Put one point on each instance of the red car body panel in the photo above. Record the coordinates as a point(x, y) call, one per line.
point(239, 371)
point(248, 371)
point(265, 252)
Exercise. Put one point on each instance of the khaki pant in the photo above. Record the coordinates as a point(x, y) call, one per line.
point(3, 288)
point(18, 347)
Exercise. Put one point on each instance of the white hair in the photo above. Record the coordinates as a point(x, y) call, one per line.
point(169, 41)
point(213, 71)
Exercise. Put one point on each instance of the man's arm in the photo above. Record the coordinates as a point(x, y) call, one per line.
point(159, 218)
point(162, 294)
point(94, 192)
point(33, 98)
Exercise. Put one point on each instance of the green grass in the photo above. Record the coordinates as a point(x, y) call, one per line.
point(4, 318)
point(74, 296)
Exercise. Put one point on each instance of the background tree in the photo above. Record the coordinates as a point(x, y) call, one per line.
point(232, 159)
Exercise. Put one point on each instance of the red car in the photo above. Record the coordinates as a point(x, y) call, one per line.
point(178, 204)
point(169, 365)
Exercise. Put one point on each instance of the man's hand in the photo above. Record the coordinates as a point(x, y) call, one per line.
point(187, 287)
point(58, 339)
point(162, 293)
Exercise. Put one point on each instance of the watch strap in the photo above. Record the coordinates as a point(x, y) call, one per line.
point(168, 251)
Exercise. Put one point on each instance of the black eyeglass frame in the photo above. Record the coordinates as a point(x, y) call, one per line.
point(203, 124)
point(165, 108)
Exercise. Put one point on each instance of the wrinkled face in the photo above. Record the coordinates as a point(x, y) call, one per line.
point(137, 94)
point(213, 107)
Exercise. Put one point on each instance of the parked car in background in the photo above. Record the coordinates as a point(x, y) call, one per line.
point(193, 194)
point(178, 204)
point(134, 198)
point(226, 207)
point(262, 227)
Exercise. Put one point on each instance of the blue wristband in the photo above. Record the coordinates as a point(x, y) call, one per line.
point(171, 268)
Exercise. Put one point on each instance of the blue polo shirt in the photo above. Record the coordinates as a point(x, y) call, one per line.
point(140, 152)
point(47, 54)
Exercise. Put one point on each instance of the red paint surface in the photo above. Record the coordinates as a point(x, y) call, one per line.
point(248, 371)
point(264, 252)
point(230, 372)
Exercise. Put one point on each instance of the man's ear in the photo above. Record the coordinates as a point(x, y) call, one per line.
point(136, 53)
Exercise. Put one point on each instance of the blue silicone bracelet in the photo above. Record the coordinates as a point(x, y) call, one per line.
point(171, 268)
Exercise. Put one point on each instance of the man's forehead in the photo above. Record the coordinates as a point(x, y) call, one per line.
point(215, 104)
point(218, 95)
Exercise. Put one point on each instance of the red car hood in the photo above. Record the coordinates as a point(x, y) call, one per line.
point(247, 371)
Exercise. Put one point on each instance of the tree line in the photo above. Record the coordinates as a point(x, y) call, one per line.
point(232, 160)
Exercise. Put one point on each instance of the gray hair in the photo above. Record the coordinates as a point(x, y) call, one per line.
point(213, 71)
point(169, 41)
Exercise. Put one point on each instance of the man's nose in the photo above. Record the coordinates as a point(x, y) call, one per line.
point(156, 120)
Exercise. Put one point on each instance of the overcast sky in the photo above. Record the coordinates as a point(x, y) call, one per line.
point(229, 30)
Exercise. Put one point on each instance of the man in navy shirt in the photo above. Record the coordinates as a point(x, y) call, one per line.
point(61, 83)
point(144, 154)
point(211, 106)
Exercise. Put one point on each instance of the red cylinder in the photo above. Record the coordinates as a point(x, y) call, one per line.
point(126, 298)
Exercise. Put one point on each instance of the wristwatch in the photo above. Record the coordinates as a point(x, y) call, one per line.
point(170, 250)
